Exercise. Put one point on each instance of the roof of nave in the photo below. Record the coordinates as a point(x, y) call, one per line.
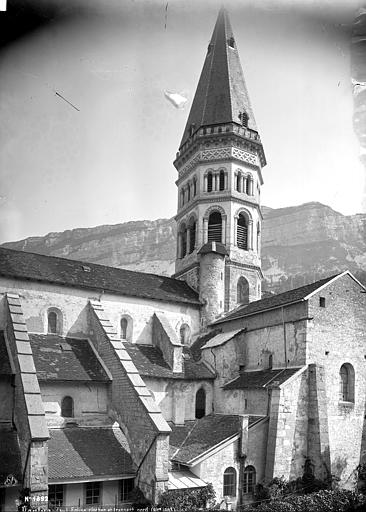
point(5, 368)
point(150, 362)
point(195, 438)
point(65, 272)
point(221, 95)
point(276, 301)
point(65, 359)
point(83, 452)
point(261, 378)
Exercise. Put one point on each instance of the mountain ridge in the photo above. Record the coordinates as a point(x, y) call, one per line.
point(300, 244)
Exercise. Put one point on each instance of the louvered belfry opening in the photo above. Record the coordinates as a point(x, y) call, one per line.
point(214, 227)
point(242, 232)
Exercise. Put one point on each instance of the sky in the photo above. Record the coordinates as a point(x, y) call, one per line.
point(89, 138)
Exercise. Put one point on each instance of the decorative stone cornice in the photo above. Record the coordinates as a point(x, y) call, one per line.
point(217, 154)
point(215, 199)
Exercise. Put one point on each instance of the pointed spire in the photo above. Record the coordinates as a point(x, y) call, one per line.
point(221, 95)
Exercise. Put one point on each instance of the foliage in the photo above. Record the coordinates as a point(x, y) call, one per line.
point(324, 500)
point(187, 499)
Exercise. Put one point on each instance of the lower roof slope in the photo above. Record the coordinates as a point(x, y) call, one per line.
point(65, 359)
point(261, 378)
point(275, 301)
point(84, 452)
point(195, 438)
point(62, 271)
point(150, 362)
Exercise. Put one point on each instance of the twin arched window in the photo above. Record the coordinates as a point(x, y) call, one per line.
point(67, 407)
point(187, 237)
point(188, 191)
point(244, 183)
point(347, 383)
point(214, 181)
point(229, 487)
point(54, 321)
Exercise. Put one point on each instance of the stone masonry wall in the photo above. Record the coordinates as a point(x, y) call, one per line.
point(288, 428)
point(337, 336)
point(133, 407)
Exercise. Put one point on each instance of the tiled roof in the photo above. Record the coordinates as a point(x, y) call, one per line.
point(200, 341)
point(197, 437)
point(10, 462)
point(150, 362)
point(5, 368)
point(82, 452)
point(61, 271)
point(221, 339)
point(184, 480)
point(261, 378)
point(282, 299)
point(59, 358)
point(221, 93)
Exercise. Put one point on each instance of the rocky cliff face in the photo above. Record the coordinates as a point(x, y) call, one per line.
point(299, 244)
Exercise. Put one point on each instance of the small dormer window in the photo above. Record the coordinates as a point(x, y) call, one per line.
point(209, 48)
point(231, 42)
point(192, 129)
point(244, 118)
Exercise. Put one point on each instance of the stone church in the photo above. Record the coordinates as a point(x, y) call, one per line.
point(112, 380)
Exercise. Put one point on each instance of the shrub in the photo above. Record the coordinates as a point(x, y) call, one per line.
point(187, 499)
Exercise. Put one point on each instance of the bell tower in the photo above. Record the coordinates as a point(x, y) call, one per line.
point(219, 166)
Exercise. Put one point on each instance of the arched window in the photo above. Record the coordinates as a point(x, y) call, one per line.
point(67, 407)
point(200, 403)
point(194, 186)
point(249, 185)
point(249, 480)
point(209, 182)
point(242, 232)
point(258, 236)
point(242, 291)
point(270, 361)
point(188, 192)
point(347, 383)
point(184, 333)
point(183, 234)
point(237, 182)
point(124, 325)
point(192, 236)
point(229, 488)
point(214, 227)
point(222, 180)
point(182, 197)
point(54, 321)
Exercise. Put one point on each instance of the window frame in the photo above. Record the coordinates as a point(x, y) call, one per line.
point(249, 479)
point(72, 407)
point(125, 494)
point(56, 489)
point(229, 483)
point(94, 495)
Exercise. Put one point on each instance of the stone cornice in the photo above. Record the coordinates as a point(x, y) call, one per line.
point(232, 263)
point(216, 199)
point(218, 154)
